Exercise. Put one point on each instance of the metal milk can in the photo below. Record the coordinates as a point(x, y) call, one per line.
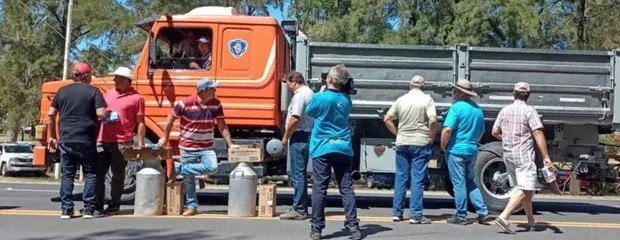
point(242, 192)
point(150, 196)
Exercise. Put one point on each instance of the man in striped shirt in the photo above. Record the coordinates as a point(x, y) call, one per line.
point(198, 114)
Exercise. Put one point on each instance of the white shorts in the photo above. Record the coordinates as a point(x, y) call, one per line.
point(524, 174)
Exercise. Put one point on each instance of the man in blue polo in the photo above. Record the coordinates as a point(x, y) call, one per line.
point(330, 147)
point(462, 129)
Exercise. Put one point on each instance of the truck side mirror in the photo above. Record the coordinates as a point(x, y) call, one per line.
point(152, 55)
point(290, 27)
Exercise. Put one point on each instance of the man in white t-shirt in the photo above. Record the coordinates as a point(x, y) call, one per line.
point(297, 139)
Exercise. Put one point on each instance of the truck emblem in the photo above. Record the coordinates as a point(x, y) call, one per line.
point(237, 47)
point(379, 150)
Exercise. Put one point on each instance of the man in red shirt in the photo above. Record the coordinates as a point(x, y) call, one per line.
point(125, 112)
point(198, 114)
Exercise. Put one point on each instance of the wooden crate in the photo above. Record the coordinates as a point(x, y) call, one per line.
point(174, 198)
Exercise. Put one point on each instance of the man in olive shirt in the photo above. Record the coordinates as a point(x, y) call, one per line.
point(417, 126)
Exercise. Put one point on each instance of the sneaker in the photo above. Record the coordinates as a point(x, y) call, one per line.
point(92, 214)
point(397, 218)
point(293, 215)
point(501, 223)
point(66, 214)
point(315, 234)
point(420, 220)
point(456, 221)
point(190, 212)
point(483, 219)
point(355, 232)
point(111, 210)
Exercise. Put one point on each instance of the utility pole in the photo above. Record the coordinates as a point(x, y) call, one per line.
point(65, 68)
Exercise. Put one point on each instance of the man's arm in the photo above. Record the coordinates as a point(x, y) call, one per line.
point(223, 127)
point(100, 105)
point(448, 124)
point(541, 142)
point(101, 114)
point(293, 122)
point(169, 123)
point(141, 130)
point(446, 133)
point(433, 124)
point(389, 123)
point(140, 106)
point(52, 143)
point(497, 133)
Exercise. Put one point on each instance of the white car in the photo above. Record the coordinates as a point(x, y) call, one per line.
point(17, 157)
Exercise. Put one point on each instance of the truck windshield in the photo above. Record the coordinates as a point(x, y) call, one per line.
point(17, 149)
point(183, 48)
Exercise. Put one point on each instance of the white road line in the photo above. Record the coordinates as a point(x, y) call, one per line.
point(29, 190)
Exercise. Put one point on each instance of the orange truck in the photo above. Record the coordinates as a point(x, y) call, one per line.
point(573, 91)
point(250, 58)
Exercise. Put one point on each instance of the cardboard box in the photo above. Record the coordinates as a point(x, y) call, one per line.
point(246, 153)
point(174, 198)
point(134, 154)
point(40, 132)
point(267, 200)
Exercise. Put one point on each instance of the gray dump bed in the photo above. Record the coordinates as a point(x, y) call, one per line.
point(573, 87)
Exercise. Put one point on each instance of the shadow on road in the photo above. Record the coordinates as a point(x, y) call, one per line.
point(559, 207)
point(366, 229)
point(143, 234)
point(542, 226)
point(9, 207)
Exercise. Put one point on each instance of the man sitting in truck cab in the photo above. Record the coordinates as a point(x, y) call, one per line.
point(203, 60)
point(188, 48)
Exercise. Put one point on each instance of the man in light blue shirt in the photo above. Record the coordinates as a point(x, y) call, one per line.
point(462, 129)
point(330, 147)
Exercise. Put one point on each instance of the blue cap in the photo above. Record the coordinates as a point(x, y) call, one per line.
point(205, 83)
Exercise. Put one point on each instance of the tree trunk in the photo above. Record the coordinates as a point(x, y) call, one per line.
point(581, 20)
point(12, 133)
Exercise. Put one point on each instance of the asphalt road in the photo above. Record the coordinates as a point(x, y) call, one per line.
point(31, 211)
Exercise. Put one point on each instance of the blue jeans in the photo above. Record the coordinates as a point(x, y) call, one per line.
point(189, 168)
point(72, 155)
point(298, 152)
point(462, 175)
point(411, 167)
point(321, 175)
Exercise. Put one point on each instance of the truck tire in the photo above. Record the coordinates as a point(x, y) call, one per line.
point(129, 189)
point(370, 181)
point(493, 180)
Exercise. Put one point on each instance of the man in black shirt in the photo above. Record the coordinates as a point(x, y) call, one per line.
point(81, 107)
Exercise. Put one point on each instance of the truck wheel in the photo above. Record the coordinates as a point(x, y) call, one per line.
point(493, 180)
point(370, 181)
point(4, 171)
point(129, 189)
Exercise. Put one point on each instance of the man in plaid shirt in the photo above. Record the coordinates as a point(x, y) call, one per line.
point(518, 126)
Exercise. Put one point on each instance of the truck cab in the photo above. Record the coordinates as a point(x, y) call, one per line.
point(249, 56)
